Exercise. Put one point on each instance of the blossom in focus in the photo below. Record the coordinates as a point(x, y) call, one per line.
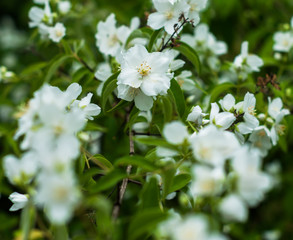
point(248, 108)
point(144, 75)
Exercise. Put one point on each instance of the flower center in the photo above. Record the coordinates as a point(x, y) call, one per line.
point(169, 15)
point(58, 33)
point(251, 110)
point(113, 40)
point(143, 69)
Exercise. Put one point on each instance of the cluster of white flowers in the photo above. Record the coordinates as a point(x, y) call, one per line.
point(206, 45)
point(49, 127)
point(170, 12)
point(242, 116)
point(283, 40)
point(43, 19)
point(244, 183)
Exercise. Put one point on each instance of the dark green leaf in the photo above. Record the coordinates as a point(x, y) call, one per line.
point(145, 222)
point(153, 39)
point(136, 161)
point(108, 181)
point(178, 97)
point(55, 65)
point(179, 182)
point(108, 88)
point(190, 54)
point(150, 194)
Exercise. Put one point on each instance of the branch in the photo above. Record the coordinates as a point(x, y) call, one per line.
point(176, 29)
point(124, 183)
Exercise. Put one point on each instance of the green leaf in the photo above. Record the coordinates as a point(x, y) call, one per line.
point(168, 178)
point(178, 97)
point(145, 222)
point(190, 54)
point(108, 181)
point(55, 65)
point(132, 117)
point(101, 161)
point(167, 107)
point(179, 182)
point(150, 194)
point(220, 89)
point(66, 47)
point(153, 39)
point(108, 88)
point(153, 141)
point(119, 105)
point(79, 74)
point(34, 68)
point(136, 161)
point(137, 33)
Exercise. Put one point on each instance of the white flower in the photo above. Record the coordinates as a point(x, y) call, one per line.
point(227, 103)
point(248, 107)
point(57, 32)
point(175, 132)
point(64, 6)
point(283, 41)
point(196, 115)
point(276, 110)
point(128, 93)
point(185, 82)
point(38, 15)
point(110, 40)
point(145, 73)
point(213, 146)
point(19, 201)
point(89, 109)
point(232, 208)
point(20, 171)
point(206, 181)
point(190, 228)
point(260, 139)
point(58, 194)
point(247, 62)
point(196, 6)
point(204, 41)
point(167, 14)
point(252, 183)
point(103, 72)
point(223, 119)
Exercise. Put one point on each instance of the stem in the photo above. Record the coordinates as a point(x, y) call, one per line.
point(84, 64)
point(123, 186)
point(185, 20)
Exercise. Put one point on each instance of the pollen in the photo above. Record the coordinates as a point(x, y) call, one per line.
point(143, 69)
point(251, 110)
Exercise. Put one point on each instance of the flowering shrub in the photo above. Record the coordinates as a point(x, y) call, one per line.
point(154, 129)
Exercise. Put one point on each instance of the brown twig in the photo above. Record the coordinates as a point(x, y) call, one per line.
point(123, 186)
